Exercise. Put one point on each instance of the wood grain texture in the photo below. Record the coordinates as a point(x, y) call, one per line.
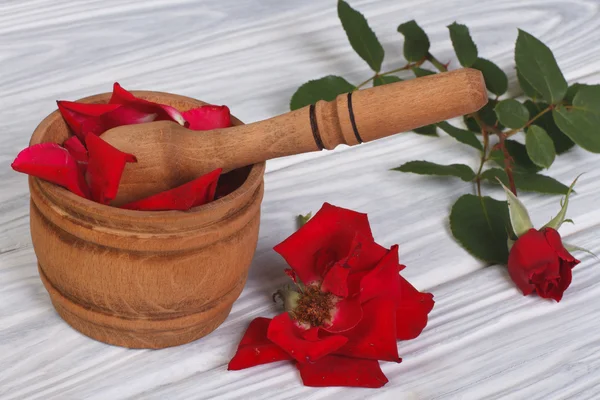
point(142, 279)
point(484, 341)
point(169, 155)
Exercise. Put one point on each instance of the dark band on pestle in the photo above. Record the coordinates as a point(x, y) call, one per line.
point(352, 120)
point(315, 127)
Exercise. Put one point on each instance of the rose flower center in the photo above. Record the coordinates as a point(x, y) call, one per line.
point(314, 307)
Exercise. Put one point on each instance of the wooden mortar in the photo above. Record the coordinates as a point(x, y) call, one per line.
point(142, 279)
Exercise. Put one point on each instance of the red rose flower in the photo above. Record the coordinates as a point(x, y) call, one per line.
point(349, 310)
point(538, 261)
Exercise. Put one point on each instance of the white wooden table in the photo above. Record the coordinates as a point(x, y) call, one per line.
point(484, 340)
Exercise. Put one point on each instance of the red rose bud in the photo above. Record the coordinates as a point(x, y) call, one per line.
point(539, 262)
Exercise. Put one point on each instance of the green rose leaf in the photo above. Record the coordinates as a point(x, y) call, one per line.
point(427, 130)
point(302, 219)
point(327, 88)
point(463, 44)
point(461, 171)
point(572, 91)
point(526, 181)
point(512, 114)
point(518, 152)
point(361, 37)
point(581, 122)
point(495, 79)
point(527, 88)
point(538, 67)
point(463, 136)
point(416, 42)
point(562, 143)
point(483, 232)
point(540, 147)
point(385, 79)
point(419, 72)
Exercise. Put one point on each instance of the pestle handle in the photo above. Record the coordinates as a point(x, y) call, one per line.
point(356, 117)
point(170, 155)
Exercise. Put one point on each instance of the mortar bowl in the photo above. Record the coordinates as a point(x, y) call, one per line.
point(143, 279)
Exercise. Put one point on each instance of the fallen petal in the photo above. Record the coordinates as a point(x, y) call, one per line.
point(76, 114)
point(53, 163)
point(192, 194)
point(105, 167)
point(163, 112)
point(208, 117)
point(123, 115)
point(255, 349)
point(76, 149)
point(342, 371)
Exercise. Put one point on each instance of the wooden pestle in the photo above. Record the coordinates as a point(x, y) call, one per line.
point(170, 155)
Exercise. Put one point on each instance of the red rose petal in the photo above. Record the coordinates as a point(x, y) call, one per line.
point(255, 349)
point(566, 275)
point(324, 259)
point(76, 114)
point(342, 371)
point(123, 115)
point(412, 309)
point(52, 163)
point(554, 240)
point(284, 332)
point(311, 334)
point(208, 117)
point(331, 228)
point(354, 280)
point(547, 280)
point(375, 335)
point(336, 280)
point(192, 194)
point(366, 253)
point(290, 272)
point(162, 111)
point(76, 149)
point(348, 314)
point(120, 95)
point(383, 280)
point(105, 167)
